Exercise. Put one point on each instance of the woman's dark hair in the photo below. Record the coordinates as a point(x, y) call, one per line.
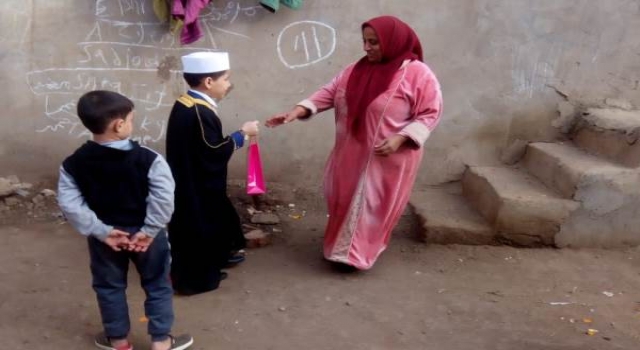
point(98, 108)
point(195, 79)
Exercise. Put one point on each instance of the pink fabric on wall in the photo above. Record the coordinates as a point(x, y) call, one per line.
point(366, 193)
point(188, 11)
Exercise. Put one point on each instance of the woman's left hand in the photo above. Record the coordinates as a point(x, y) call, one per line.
point(389, 145)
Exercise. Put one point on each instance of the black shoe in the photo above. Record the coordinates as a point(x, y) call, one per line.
point(343, 268)
point(235, 259)
point(223, 275)
point(184, 292)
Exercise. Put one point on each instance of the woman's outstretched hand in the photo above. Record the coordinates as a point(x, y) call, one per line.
point(284, 118)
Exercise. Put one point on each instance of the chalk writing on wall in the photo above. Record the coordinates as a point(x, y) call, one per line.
point(301, 44)
point(136, 58)
point(128, 50)
point(14, 27)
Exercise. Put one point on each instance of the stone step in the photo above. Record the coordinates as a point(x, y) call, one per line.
point(565, 168)
point(521, 208)
point(610, 133)
point(447, 218)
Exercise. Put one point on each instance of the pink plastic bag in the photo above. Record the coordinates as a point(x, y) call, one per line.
point(255, 178)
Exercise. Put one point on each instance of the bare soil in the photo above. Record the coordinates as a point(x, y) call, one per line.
point(286, 297)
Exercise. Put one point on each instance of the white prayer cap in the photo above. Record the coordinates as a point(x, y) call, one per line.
point(205, 62)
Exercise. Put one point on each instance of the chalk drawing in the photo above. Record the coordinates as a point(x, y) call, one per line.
point(301, 52)
point(61, 118)
point(230, 32)
point(230, 12)
point(122, 51)
point(115, 43)
point(532, 70)
point(554, 43)
point(120, 8)
point(121, 56)
point(14, 28)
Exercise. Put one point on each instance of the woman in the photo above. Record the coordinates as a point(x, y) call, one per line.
point(386, 106)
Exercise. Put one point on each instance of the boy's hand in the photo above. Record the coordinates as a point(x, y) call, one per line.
point(250, 128)
point(117, 240)
point(140, 242)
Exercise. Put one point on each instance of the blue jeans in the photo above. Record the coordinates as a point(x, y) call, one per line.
point(109, 271)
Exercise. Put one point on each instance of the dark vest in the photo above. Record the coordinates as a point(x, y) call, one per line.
point(113, 182)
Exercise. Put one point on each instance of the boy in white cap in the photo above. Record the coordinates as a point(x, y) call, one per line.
point(205, 228)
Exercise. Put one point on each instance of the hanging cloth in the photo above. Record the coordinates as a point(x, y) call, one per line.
point(187, 11)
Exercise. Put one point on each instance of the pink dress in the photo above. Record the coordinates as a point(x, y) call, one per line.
point(367, 193)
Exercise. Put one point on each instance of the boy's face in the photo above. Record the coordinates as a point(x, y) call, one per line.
point(218, 88)
point(124, 127)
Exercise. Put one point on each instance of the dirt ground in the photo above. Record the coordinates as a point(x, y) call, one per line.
point(285, 297)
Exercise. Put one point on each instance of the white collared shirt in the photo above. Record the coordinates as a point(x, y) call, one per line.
point(205, 97)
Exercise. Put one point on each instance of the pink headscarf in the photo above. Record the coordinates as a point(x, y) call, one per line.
point(398, 42)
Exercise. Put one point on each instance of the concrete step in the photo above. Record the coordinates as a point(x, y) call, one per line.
point(564, 167)
point(447, 218)
point(610, 133)
point(521, 208)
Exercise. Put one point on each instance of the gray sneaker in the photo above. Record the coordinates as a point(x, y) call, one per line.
point(104, 343)
point(181, 342)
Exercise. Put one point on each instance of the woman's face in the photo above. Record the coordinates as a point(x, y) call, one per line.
point(371, 45)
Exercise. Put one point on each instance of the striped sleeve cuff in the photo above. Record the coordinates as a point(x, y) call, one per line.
point(310, 106)
point(417, 132)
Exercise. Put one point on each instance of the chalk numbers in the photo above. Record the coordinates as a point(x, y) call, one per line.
point(301, 44)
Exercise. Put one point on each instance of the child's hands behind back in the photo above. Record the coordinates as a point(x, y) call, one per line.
point(117, 240)
point(140, 242)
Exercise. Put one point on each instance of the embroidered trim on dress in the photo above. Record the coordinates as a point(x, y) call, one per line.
point(340, 251)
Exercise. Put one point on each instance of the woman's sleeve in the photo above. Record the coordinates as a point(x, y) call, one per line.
point(426, 107)
point(324, 98)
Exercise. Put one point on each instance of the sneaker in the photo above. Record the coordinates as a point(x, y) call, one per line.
point(103, 342)
point(181, 342)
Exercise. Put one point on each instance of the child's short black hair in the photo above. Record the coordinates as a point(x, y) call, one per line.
point(195, 79)
point(98, 108)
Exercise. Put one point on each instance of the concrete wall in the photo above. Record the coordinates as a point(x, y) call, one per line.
point(501, 64)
